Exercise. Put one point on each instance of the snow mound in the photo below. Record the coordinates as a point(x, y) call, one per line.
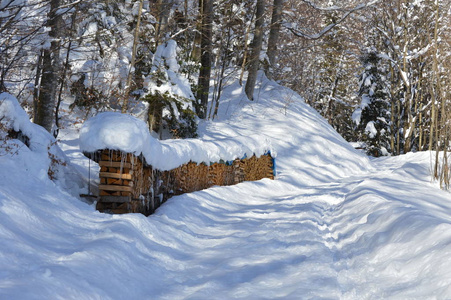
point(14, 118)
point(33, 147)
point(123, 132)
point(309, 150)
point(115, 131)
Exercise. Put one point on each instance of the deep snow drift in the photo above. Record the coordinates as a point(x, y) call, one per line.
point(332, 225)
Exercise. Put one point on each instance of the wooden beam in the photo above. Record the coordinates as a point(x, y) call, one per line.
point(116, 188)
point(114, 164)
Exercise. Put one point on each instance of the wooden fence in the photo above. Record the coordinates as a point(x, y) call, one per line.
point(129, 185)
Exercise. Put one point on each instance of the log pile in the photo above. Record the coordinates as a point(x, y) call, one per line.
point(129, 185)
point(194, 177)
point(124, 183)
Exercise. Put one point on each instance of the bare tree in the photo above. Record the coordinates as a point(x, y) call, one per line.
point(18, 29)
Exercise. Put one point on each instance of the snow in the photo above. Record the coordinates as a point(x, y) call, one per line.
point(405, 78)
point(116, 131)
point(111, 130)
point(357, 114)
point(13, 116)
point(333, 225)
point(37, 152)
point(371, 129)
point(165, 61)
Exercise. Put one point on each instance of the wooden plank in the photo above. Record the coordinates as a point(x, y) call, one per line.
point(114, 164)
point(116, 188)
point(115, 199)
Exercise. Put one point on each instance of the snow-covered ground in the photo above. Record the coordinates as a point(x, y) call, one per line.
point(333, 225)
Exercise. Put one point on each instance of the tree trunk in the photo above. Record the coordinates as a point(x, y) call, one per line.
point(63, 76)
point(37, 85)
point(398, 127)
point(50, 66)
point(245, 50)
point(273, 38)
point(132, 63)
point(163, 9)
point(392, 116)
point(205, 57)
point(195, 53)
point(434, 112)
point(256, 47)
point(221, 73)
point(47, 93)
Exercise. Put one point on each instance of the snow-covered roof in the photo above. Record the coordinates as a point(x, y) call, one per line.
point(116, 131)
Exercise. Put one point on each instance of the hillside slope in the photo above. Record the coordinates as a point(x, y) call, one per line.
point(332, 225)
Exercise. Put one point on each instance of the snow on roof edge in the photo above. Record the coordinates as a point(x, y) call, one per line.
point(116, 131)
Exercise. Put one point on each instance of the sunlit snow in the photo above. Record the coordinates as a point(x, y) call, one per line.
point(332, 225)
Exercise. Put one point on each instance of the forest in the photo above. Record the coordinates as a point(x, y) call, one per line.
point(378, 71)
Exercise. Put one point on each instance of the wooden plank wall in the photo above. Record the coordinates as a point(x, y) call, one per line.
point(127, 184)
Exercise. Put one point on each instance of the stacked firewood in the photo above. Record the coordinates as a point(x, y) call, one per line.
point(128, 184)
point(124, 183)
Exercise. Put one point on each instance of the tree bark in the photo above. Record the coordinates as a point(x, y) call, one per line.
point(245, 51)
point(50, 66)
point(37, 85)
point(256, 47)
point(195, 53)
point(206, 7)
point(273, 38)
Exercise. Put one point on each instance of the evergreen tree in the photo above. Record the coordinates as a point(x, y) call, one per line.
point(169, 99)
point(372, 115)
